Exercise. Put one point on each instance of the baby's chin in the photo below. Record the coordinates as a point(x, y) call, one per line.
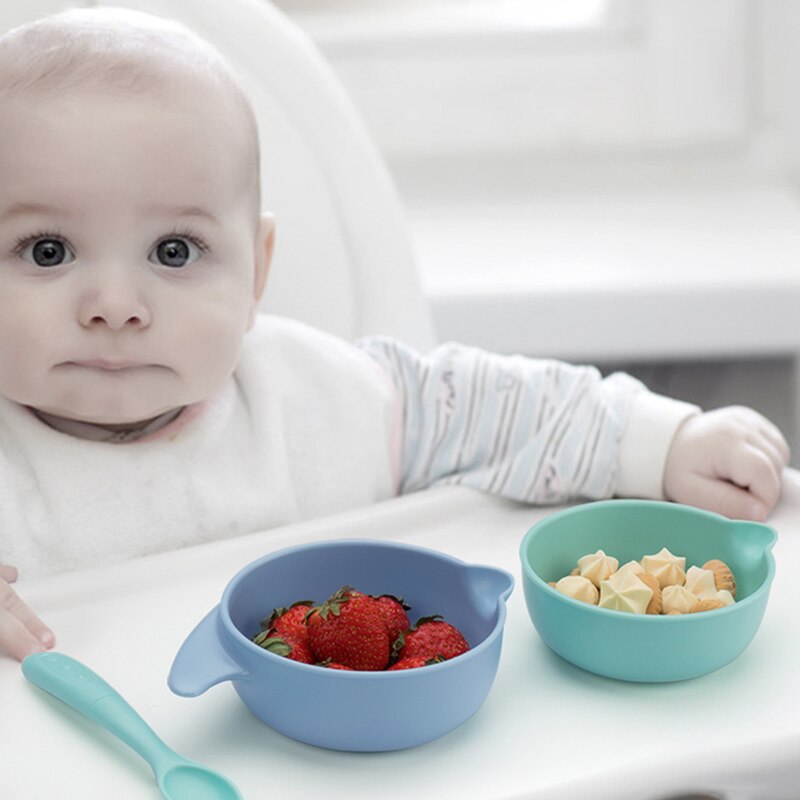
point(111, 421)
point(133, 425)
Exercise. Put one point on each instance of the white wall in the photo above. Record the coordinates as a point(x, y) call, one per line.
point(778, 108)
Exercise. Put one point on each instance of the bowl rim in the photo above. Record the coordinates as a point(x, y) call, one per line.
point(240, 640)
point(530, 574)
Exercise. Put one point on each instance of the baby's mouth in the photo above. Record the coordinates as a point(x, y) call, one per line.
point(107, 365)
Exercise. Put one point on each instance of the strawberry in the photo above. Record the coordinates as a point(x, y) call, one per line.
point(296, 650)
point(334, 665)
point(432, 637)
point(349, 629)
point(284, 633)
point(394, 611)
point(413, 662)
point(289, 622)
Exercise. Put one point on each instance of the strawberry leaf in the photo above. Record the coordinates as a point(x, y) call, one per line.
point(273, 644)
point(423, 620)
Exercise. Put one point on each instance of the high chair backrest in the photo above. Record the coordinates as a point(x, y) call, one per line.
point(343, 260)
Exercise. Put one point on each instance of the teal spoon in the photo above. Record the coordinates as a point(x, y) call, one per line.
point(84, 690)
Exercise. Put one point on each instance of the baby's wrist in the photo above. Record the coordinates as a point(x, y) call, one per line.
point(653, 420)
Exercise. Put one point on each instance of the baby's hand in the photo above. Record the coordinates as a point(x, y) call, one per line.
point(729, 461)
point(21, 631)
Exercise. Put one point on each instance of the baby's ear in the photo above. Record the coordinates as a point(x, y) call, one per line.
point(264, 246)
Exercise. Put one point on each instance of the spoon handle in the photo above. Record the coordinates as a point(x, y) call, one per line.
point(85, 691)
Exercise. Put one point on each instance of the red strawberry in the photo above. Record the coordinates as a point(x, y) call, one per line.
point(290, 622)
point(285, 646)
point(394, 611)
point(334, 665)
point(413, 662)
point(432, 637)
point(285, 634)
point(349, 629)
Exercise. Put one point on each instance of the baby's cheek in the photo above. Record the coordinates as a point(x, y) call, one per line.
point(213, 351)
point(20, 348)
point(21, 372)
point(204, 328)
point(26, 313)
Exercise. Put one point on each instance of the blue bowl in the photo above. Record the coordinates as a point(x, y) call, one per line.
point(645, 648)
point(340, 710)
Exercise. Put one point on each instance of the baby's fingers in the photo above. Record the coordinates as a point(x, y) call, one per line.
point(15, 639)
point(772, 434)
point(769, 449)
point(751, 469)
point(724, 498)
point(21, 631)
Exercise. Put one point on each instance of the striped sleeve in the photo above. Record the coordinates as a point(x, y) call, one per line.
point(538, 431)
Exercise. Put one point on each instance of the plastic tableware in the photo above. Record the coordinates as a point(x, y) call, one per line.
point(84, 690)
point(645, 648)
point(341, 710)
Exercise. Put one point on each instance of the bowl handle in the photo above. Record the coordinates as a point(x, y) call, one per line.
point(754, 540)
point(202, 661)
point(489, 586)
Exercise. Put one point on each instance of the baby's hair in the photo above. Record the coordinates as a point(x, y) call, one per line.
point(123, 52)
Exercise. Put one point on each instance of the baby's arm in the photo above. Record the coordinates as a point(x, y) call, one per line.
point(543, 431)
point(534, 430)
point(729, 461)
point(21, 631)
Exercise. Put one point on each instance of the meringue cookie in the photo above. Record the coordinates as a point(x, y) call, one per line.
point(623, 591)
point(700, 582)
point(632, 566)
point(579, 588)
point(679, 599)
point(669, 569)
point(725, 596)
point(597, 566)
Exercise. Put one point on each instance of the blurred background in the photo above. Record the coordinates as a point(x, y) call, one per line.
point(604, 181)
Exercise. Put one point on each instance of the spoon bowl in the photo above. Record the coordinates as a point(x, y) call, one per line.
point(186, 781)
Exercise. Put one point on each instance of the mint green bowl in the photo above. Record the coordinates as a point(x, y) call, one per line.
point(637, 647)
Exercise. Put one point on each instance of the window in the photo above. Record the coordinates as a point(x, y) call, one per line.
point(466, 77)
point(354, 20)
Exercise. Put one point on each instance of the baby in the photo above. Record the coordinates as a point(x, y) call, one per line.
point(145, 404)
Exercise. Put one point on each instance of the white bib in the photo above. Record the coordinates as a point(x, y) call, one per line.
point(301, 430)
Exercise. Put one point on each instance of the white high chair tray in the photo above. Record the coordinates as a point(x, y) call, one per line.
point(546, 730)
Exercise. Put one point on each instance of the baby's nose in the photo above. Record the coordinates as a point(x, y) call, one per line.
point(114, 306)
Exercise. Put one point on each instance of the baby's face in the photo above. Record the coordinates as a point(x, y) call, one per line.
point(130, 256)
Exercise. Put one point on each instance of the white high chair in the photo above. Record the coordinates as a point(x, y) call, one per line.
point(343, 260)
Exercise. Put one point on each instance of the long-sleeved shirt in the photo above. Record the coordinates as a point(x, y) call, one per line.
point(310, 425)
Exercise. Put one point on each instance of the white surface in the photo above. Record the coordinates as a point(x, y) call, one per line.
point(616, 267)
point(545, 723)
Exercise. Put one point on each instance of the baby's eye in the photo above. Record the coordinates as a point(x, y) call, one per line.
point(46, 251)
point(174, 252)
